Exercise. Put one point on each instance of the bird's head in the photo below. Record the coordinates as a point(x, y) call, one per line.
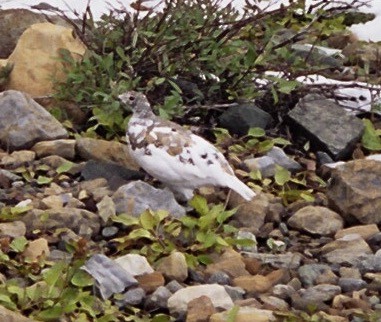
point(135, 101)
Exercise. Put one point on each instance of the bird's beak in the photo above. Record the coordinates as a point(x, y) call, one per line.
point(123, 98)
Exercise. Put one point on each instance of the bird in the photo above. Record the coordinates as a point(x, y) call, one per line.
point(180, 159)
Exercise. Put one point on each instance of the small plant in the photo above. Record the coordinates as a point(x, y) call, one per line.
point(156, 234)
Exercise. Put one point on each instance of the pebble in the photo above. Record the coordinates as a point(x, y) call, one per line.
point(174, 267)
point(134, 264)
point(158, 299)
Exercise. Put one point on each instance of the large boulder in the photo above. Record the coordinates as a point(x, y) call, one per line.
point(35, 58)
point(355, 191)
point(23, 122)
point(13, 22)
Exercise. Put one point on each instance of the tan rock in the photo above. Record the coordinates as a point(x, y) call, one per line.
point(35, 58)
point(102, 150)
point(260, 283)
point(150, 282)
point(230, 262)
point(3, 62)
point(174, 267)
point(36, 249)
point(18, 158)
point(245, 314)
point(10, 316)
point(365, 231)
point(12, 229)
point(200, 309)
point(252, 265)
point(63, 148)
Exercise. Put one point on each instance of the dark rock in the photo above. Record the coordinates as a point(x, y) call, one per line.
point(110, 277)
point(138, 196)
point(115, 174)
point(24, 122)
point(355, 191)
point(348, 285)
point(158, 299)
point(320, 293)
point(311, 274)
point(239, 119)
point(327, 125)
point(316, 55)
point(133, 297)
point(323, 158)
point(375, 241)
point(236, 293)
point(174, 286)
point(219, 278)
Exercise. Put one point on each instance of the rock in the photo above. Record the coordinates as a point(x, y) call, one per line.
point(13, 22)
point(106, 151)
point(132, 297)
point(268, 163)
point(36, 249)
point(318, 55)
point(260, 283)
point(178, 302)
point(18, 158)
point(283, 291)
point(62, 148)
point(115, 174)
point(230, 262)
point(346, 250)
point(110, 231)
point(245, 314)
point(246, 235)
point(59, 201)
point(136, 197)
point(10, 316)
point(250, 215)
point(97, 189)
point(174, 286)
point(174, 267)
point(316, 220)
point(135, 264)
point(106, 208)
point(35, 58)
point(288, 260)
point(158, 299)
point(219, 278)
point(240, 118)
point(356, 191)
point(81, 221)
point(12, 229)
point(151, 281)
point(236, 293)
point(110, 277)
point(368, 262)
point(349, 285)
point(327, 125)
point(24, 122)
point(349, 272)
point(365, 231)
point(320, 293)
point(312, 274)
point(274, 303)
point(200, 309)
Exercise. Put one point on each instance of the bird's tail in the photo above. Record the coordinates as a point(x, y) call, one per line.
point(239, 187)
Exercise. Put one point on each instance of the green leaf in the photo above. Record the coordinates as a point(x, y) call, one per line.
point(281, 141)
point(64, 167)
point(126, 220)
point(232, 315)
point(147, 220)
point(52, 313)
point(44, 180)
point(200, 204)
point(18, 244)
point(204, 259)
point(53, 274)
point(140, 233)
point(82, 279)
point(370, 139)
point(161, 318)
point(256, 132)
point(282, 176)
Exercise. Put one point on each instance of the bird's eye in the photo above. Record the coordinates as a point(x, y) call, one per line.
point(131, 98)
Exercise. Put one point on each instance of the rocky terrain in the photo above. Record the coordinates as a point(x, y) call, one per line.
point(64, 197)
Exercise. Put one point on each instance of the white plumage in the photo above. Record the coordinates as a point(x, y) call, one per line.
point(180, 159)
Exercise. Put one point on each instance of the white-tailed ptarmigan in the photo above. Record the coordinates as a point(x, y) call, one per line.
point(180, 159)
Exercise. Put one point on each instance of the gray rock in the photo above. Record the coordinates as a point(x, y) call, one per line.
point(267, 163)
point(81, 221)
point(316, 220)
point(110, 277)
point(288, 260)
point(274, 303)
point(133, 297)
point(109, 231)
point(283, 291)
point(320, 293)
point(178, 302)
point(318, 55)
point(239, 119)
point(348, 285)
point(24, 122)
point(327, 125)
point(312, 274)
point(368, 263)
point(9, 175)
point(236, 293)
point(219, 278)
point(135, 264)
point(355, 191)
point(115, 174)
point(242, 234)
point(158, 299)
point(174, 286)
point(136, 197)
point(347, 250)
